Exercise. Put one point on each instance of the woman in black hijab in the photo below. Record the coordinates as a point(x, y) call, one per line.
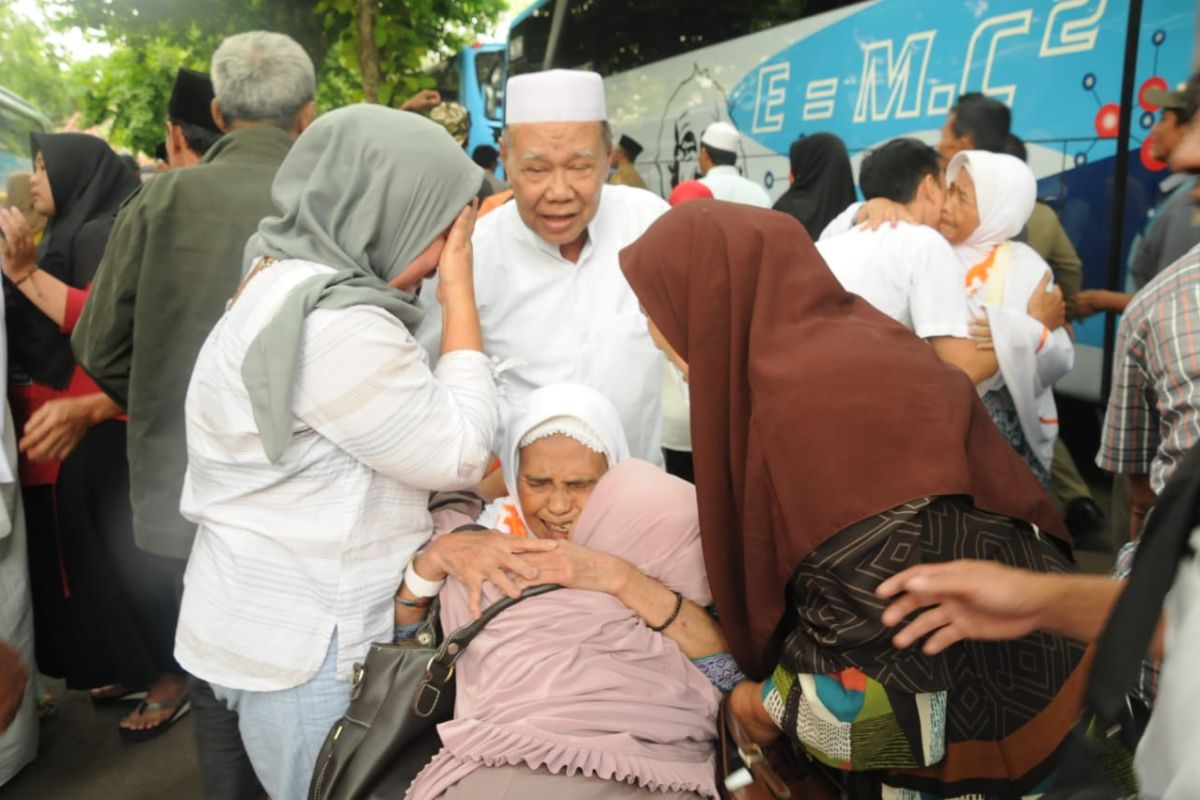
point(822, 182)
point(96, 596)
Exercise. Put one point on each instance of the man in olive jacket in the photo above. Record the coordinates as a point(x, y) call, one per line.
point(174, 259)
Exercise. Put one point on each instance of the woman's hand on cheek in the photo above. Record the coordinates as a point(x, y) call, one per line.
point(478, 556)
point(456, 265)
point(577, 567)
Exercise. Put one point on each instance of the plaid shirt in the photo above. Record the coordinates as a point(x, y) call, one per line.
point(1153, 416)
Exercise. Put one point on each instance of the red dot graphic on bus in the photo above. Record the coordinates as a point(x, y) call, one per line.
point(1107, 120)
point(1148, 161)
point(1151, 83)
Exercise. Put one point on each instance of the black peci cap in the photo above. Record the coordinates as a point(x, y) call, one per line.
point(191, 100)
point(630, 146)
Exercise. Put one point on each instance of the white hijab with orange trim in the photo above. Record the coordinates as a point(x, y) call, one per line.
point(1001, 277)
point(569, 409)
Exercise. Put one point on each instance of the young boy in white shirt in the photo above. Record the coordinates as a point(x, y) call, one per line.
point(909, 271)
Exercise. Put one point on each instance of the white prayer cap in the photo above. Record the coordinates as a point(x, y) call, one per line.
point(556, 95)
point(722, 136)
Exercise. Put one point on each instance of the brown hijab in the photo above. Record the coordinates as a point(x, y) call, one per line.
point(810, 409)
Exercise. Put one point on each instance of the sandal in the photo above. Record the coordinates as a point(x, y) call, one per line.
point(120, 696)
point(181, 705)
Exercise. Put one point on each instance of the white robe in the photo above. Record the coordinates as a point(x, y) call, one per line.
point(18, 745)
point(1031, 358)
point(557, 322)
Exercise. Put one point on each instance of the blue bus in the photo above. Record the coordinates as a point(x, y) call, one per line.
point(475, 78)
point(872, 71)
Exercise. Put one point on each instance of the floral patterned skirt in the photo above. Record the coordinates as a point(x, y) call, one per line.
point(1003, 411)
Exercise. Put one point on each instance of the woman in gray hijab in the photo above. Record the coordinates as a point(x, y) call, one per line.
point(316, 430)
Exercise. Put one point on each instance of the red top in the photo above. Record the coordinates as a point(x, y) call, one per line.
point(27, 398)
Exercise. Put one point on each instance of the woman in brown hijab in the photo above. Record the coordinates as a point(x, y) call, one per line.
point(832, 450)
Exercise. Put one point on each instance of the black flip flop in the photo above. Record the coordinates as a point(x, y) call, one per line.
point(181, 705)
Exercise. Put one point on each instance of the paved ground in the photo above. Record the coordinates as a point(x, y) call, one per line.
point(82, 758)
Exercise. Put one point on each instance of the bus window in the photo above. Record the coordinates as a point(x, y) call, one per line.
point(611, 36)
point(489, 71)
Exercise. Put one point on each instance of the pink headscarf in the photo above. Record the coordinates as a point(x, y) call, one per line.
point(574, 681)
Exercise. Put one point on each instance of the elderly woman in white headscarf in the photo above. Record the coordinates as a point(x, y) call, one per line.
point(990, 198)
point(608, 689)
point(316, 431)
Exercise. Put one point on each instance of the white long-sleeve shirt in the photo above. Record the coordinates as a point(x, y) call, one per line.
point(287, 552)
point(556, 321)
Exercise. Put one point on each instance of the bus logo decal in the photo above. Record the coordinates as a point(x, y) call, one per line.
point(1070, 38)
point(877, 58)
point(772, 94)
point(819, 98)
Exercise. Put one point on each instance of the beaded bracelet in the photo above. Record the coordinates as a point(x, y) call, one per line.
point(674, 614)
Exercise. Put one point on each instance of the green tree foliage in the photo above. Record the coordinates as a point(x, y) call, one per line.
point(34, 68)
point(153, 38)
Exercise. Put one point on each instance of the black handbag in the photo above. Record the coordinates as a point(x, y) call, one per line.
point(400, 693)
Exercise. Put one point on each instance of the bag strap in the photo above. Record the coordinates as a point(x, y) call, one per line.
point(1163, 546)
point(1122, 645)
point(440, 669)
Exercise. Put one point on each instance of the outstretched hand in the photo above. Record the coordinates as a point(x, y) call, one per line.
point(422, 100)
point(576, 567)
point(473, 557)
point(960, 600)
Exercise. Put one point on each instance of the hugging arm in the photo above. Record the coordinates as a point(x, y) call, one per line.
point(687, 623)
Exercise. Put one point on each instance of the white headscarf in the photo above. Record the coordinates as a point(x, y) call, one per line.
point(1005, 193)
point(569, 409)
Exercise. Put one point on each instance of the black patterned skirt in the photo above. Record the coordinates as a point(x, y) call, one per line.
point(983, 719)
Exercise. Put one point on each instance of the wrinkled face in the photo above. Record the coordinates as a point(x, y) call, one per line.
point(1166, 135)
point(555, 478)
point(557, 170)
point(39, 188)
point(960, 213)
point(951, 142)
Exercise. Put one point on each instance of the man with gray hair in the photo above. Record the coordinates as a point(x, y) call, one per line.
point(552, 299)
point(173, 260)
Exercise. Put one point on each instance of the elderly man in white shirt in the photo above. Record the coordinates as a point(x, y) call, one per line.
point(553, 304)
point(719, 145)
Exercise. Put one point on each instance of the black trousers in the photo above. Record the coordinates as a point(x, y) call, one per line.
point(679, 464)
point(225, 770)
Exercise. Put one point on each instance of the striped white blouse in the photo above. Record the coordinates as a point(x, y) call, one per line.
point(287, 552)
